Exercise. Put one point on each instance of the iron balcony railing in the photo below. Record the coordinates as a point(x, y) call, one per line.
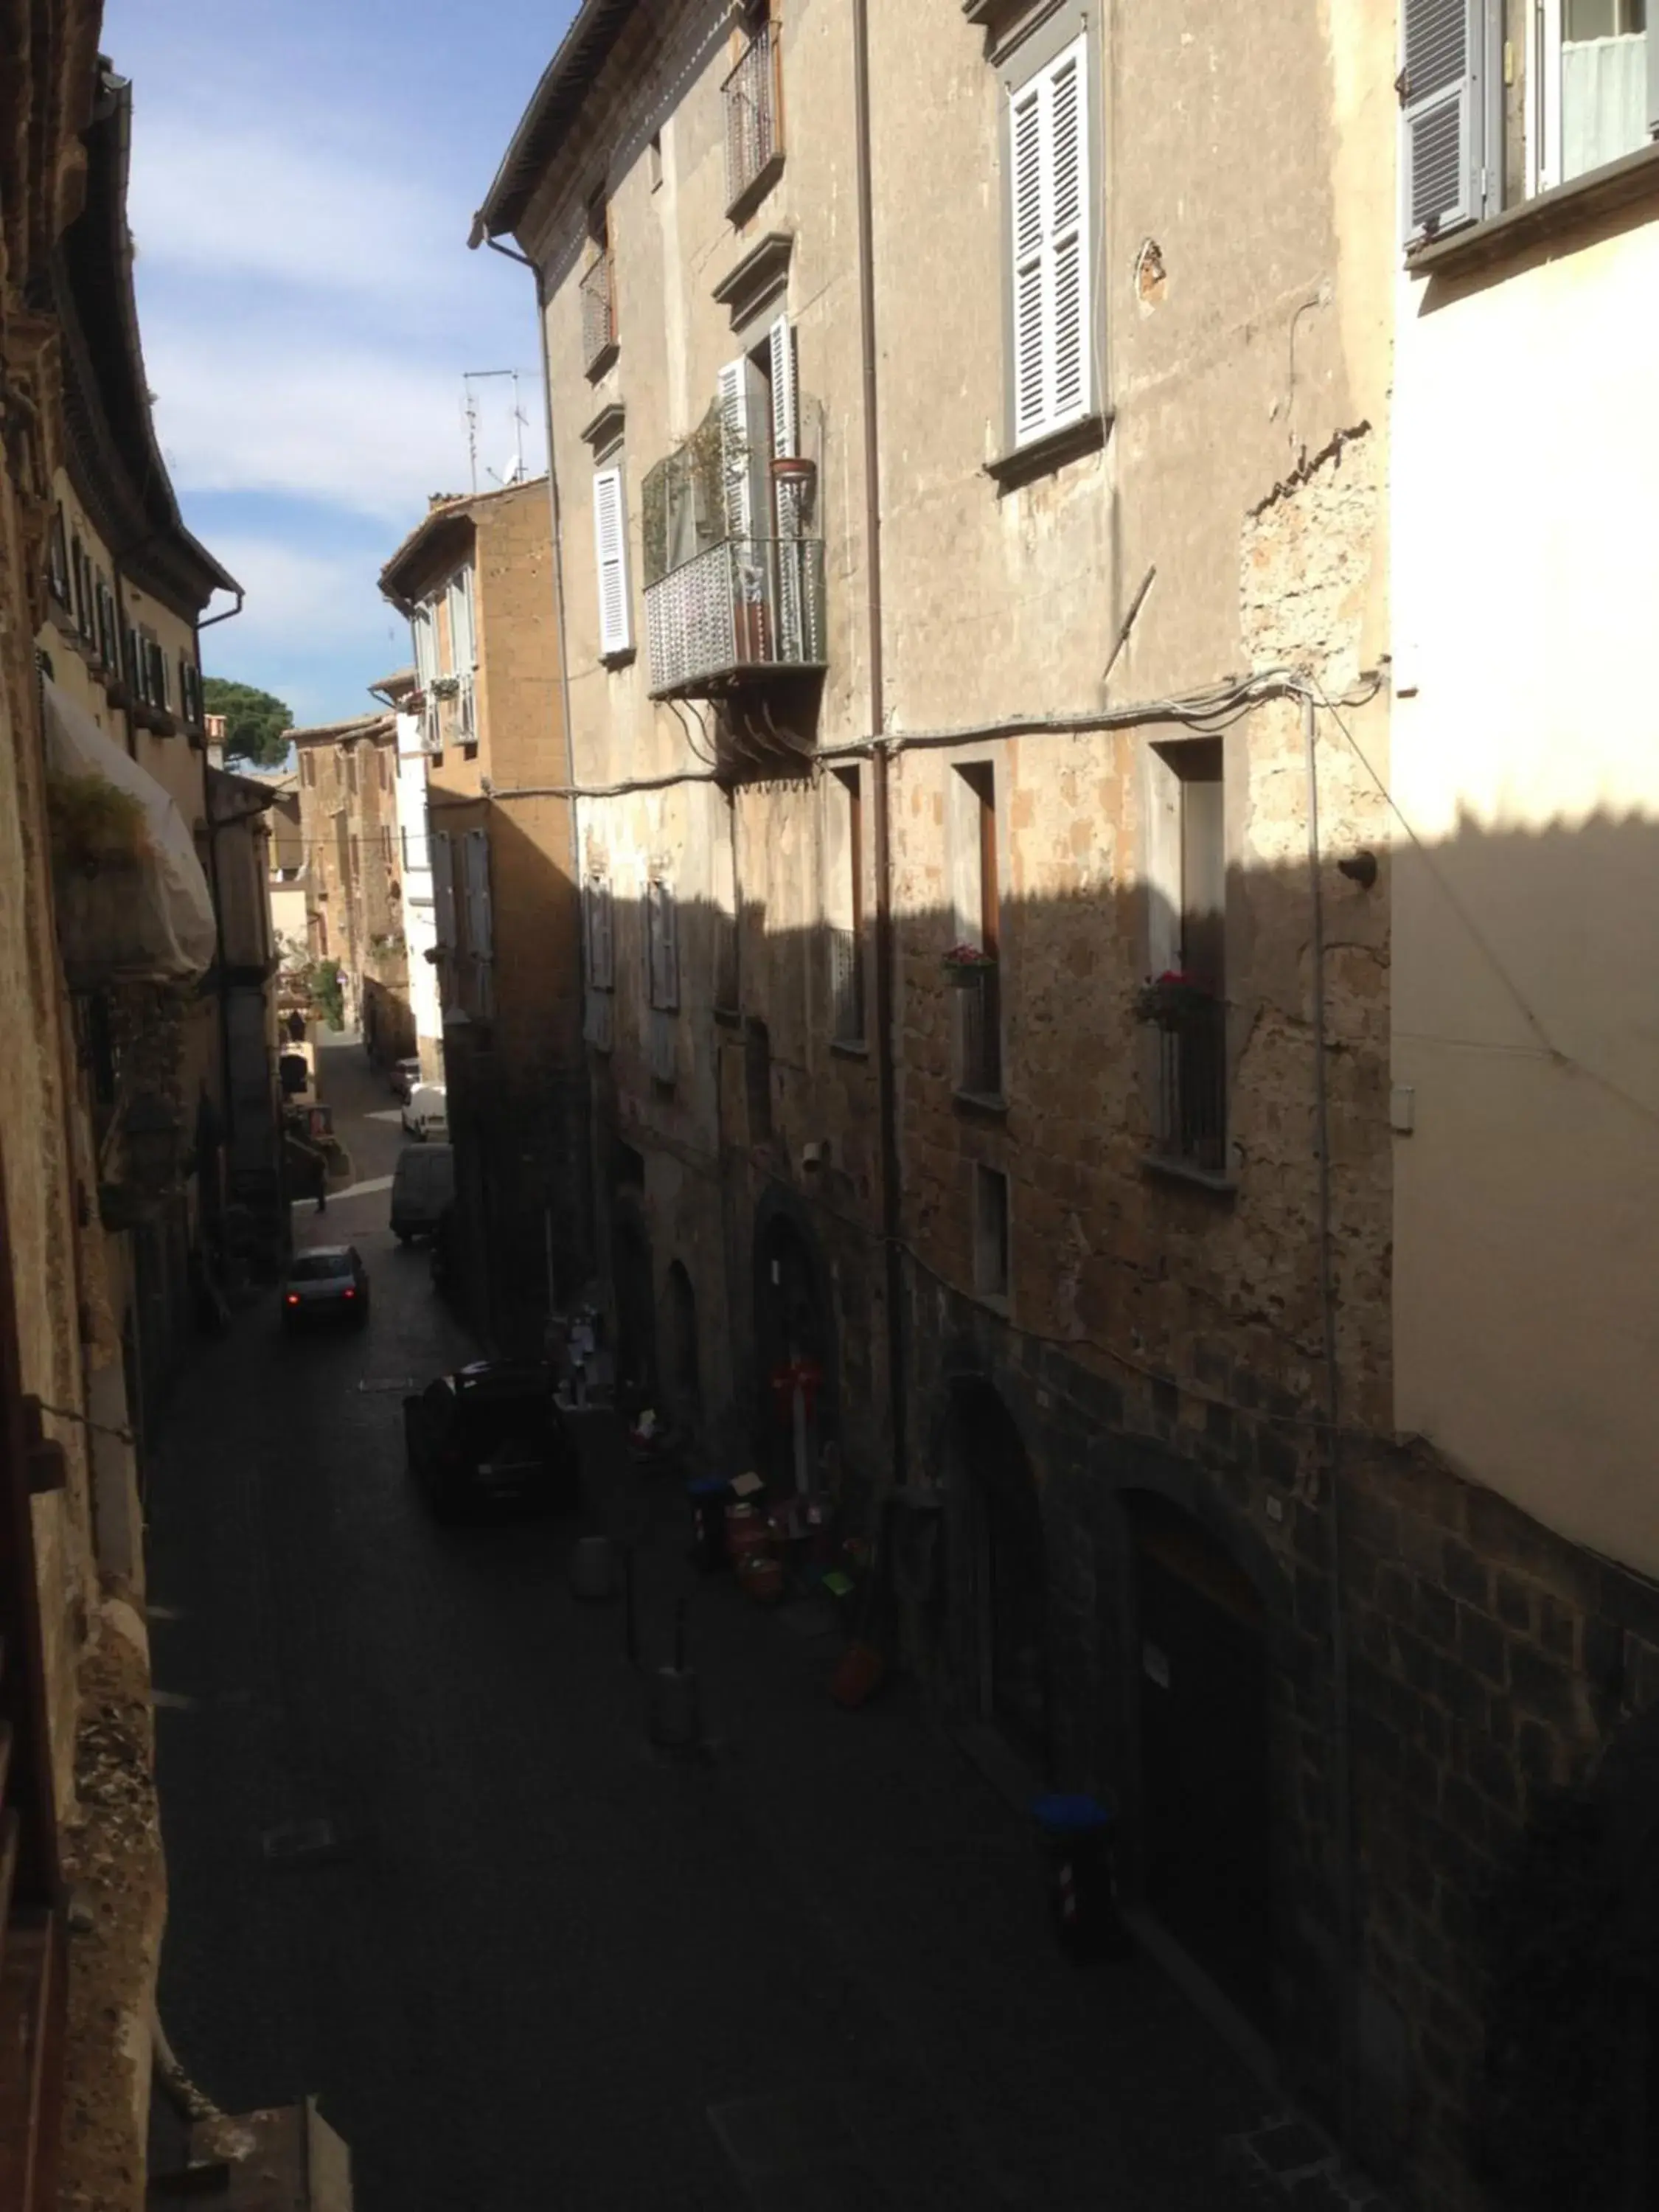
point(845, 985)
point(598, 312)
point(747, 604)
point(1193, 1090)
point(751, 115)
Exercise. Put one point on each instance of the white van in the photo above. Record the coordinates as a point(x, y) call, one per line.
point(423, 1186)
point(426, 1112)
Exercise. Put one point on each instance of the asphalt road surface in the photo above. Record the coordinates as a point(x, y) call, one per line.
point(423, 1864)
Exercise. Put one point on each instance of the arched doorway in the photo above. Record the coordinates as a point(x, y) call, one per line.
point(793, 1334)
point(1200, 1671)
point(682, 1374)
point(1000, 1517)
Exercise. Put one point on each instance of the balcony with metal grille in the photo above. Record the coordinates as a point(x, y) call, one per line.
point(598, 289)
point(979, 1035)
point(754, 141)
point(1192, 1125)
point(743, 609)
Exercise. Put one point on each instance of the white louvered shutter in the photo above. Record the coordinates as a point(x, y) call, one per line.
point(1653, 71)
point(1441, 114)
point(443, 889)
point(611, 547)
point(463, 643)
point(785, 441)
point(1053, 271)
point(737, 461)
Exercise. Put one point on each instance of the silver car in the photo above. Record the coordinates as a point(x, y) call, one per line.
point(329, 1283)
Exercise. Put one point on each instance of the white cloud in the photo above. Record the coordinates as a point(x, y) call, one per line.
point(369, 429)
point(295, 209)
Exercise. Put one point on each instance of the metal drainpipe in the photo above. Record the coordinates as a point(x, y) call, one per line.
point(891, 1209)
point(1341, 1758)
point(557, 518)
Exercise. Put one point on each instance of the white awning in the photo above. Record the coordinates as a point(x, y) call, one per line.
point(133, 904)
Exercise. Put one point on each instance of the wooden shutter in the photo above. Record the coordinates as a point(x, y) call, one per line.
point(601, 956)
point(786, 440)
point(663, 950)
point(1440, 115)
point(1052, 274)
point(443, 888)
point(610, 546)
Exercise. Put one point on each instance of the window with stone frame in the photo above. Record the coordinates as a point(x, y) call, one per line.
point(976, 899)
point(1186, 1005)
point(843, 903)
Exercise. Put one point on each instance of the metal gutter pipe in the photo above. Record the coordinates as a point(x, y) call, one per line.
point(1341, 1751)
point(892, 1195)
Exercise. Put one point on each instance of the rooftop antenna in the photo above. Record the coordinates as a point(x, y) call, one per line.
point(516, 465)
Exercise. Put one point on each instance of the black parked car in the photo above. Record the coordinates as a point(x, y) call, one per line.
point(491, 1435)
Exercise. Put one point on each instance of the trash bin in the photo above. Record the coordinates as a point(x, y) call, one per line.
point(1078, 1837)
point(709, 1497)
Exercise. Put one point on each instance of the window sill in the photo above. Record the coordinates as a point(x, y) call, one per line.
point(757, 189)
point(1044, 455)
point(1547, 215)
point(1162, 1165)
point(604, 359)
point(982, 1102)
point(730, 1018)
point(625, 659)
point(850, 1048)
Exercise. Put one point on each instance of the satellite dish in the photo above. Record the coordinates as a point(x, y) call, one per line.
point(513, 472)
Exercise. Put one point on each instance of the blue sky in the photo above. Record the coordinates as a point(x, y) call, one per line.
point(303, 178)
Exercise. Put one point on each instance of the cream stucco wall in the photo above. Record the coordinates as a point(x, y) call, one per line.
point(1526, 760)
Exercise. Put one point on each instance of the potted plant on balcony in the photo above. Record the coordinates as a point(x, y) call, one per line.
point(795, 478)
point(967, 964)
point(1173, 1001)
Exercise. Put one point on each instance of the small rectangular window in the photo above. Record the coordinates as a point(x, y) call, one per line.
point(757, 1080)
point(978, 930)
point(844, 901)
point(597, 288)
point(1186, 997)
point(990, 1233)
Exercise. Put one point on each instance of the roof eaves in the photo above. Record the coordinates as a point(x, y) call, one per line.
point(465, 505)
point(565, 82)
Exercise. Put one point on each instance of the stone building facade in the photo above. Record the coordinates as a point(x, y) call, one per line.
point(975, 570)
point(114, 1178)
point(353, 873)
point(475, 579)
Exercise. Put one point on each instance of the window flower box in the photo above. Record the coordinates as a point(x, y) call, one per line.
point(966, 965)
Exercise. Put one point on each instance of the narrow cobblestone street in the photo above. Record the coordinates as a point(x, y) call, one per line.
point(528, 1963)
